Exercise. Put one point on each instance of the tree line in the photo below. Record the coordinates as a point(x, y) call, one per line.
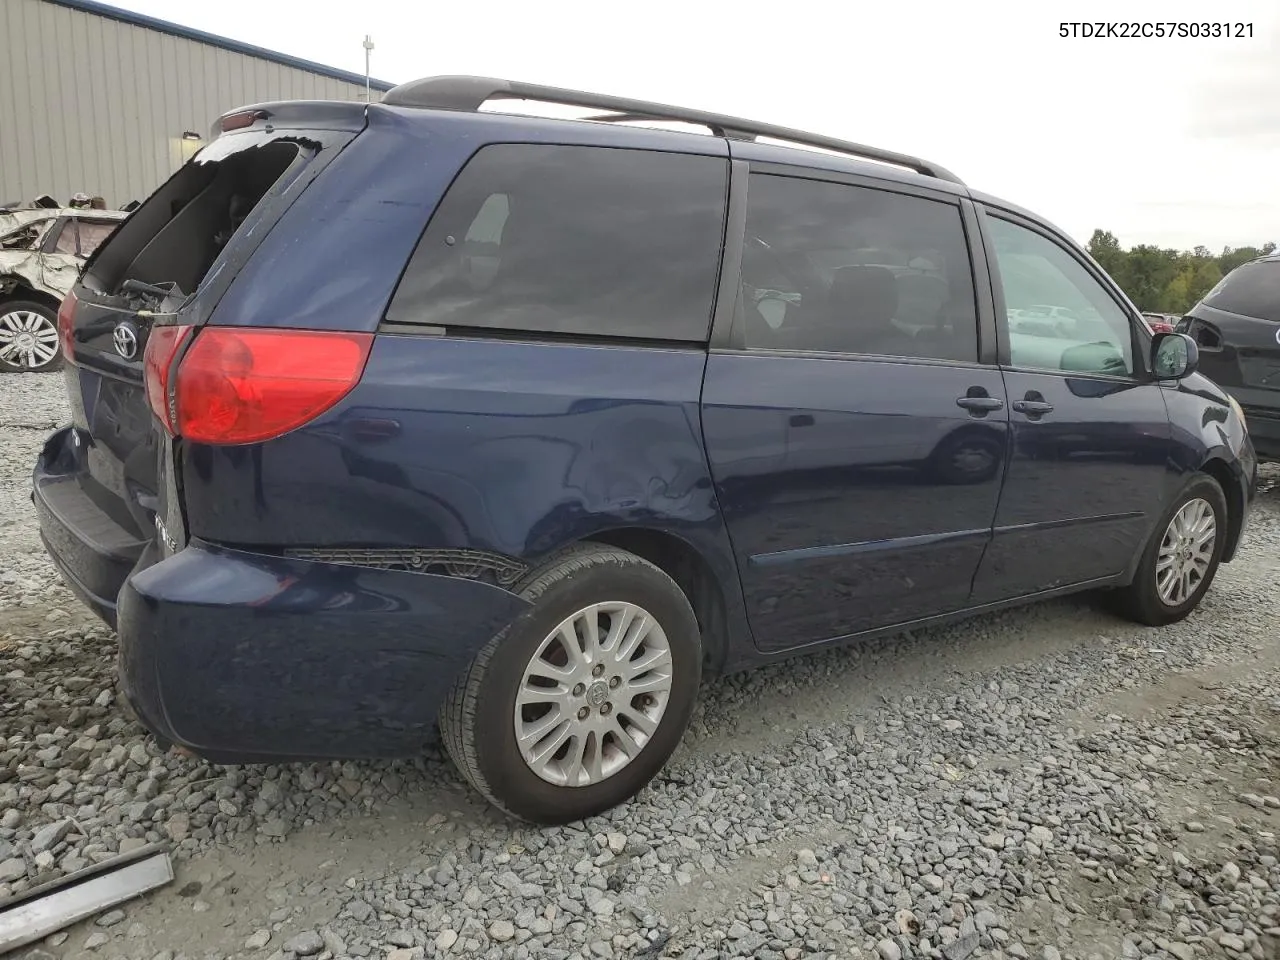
point(1167, 281)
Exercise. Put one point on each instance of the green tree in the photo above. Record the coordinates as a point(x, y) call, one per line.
point(1105, 248)
point(1167, 281)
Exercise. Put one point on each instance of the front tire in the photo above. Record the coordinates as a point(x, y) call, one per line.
point(29, 337)
point(1182, 558)
point(576, 705)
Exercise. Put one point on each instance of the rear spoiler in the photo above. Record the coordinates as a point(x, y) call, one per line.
point(293, 115)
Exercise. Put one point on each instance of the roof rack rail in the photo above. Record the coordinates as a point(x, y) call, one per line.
point(469, 94)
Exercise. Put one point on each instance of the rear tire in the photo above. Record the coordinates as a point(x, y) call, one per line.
point(28, 334)
point(1180, 562)
point(553, 737)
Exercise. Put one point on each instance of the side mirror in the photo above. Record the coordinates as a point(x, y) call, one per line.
point(1174, 356)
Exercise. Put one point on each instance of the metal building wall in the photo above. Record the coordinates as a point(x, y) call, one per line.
point(92, 104)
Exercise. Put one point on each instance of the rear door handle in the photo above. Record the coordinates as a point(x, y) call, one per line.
point(1033, 408)
point(982, 404)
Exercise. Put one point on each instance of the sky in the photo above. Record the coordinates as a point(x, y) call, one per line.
point(1173, 142)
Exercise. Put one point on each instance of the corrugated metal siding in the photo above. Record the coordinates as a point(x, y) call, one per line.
point(95, 105)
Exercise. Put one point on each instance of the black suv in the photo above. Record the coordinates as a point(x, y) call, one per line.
point(1237, 326)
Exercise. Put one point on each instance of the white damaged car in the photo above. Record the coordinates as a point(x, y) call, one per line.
point(41, 254)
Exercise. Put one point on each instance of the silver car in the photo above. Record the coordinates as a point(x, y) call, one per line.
point(41, 253)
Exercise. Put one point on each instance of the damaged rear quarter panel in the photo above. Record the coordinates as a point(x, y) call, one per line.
point(51, 274)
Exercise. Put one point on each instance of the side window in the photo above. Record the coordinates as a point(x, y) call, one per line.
point(68, 241)
point(79, 238)
point(847, 269)
point(93, 233)
point(1059, 316)
point(572, 240)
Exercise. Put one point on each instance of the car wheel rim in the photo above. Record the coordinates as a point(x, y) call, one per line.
point(594, 694)
point(27, 339)
point(1186, 552)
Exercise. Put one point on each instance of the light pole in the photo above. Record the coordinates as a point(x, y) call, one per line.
point(368, 48)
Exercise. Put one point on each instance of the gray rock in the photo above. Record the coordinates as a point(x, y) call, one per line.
point(13, 869)
point(110, 918)
point(257, 940)
point(305, 944)
point(333, 943)
point(1232, 943)
point(502, 930)
point(962, 947)
point(445, 939)
point(889, 950)
point(1041, 836)
point(48, 837)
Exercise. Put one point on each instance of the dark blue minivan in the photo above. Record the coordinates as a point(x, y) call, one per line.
point(389, 416)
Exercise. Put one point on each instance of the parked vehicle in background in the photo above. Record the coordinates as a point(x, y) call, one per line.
point(41, 253)
point(391, 412)
point(1237, 328)
point(1160, 322)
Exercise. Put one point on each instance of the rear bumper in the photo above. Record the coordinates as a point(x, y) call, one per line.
point(246, 657)
point(91, 550)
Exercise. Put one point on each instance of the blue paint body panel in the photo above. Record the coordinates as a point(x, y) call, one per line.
point(822, 498)
point(239, 655)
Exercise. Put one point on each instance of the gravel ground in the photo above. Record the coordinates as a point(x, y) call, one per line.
point(1049, 783)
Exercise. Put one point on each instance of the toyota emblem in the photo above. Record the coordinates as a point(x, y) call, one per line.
point(125, 339)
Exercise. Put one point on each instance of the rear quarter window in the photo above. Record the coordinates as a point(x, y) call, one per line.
point(1250, 290)
point(572, 240)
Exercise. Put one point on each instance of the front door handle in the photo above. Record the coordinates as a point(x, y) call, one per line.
point(980, 404)
point(1033, 408)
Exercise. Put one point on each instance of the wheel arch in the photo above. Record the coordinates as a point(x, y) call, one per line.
point(1216, 466)
point(695, 576)
point(16, 288)
point(1228, 479)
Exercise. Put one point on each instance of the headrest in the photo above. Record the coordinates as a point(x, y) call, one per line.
point(870, 292)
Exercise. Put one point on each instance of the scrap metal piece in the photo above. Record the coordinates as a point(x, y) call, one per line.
point(40, 911)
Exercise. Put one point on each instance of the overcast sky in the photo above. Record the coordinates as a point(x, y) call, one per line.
point(1174, 142)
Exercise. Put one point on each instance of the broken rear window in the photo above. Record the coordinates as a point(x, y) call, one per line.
point(177, 234)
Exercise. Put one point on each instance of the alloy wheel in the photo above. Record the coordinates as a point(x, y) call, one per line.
point(1186, 552)
point(28, 340)
point(593, 694)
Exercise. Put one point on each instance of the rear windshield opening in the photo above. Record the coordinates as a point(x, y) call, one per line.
point(1250, 290)
point(176, 235)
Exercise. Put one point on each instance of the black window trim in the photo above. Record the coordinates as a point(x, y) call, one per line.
point(717, 150)
point(1141, 372)
point(727, 336)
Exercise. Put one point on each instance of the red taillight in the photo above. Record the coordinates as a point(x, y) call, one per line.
point(1158, 326)
point(66, 319)
point(239, 385)
point(163, 346)
point(238, 121)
